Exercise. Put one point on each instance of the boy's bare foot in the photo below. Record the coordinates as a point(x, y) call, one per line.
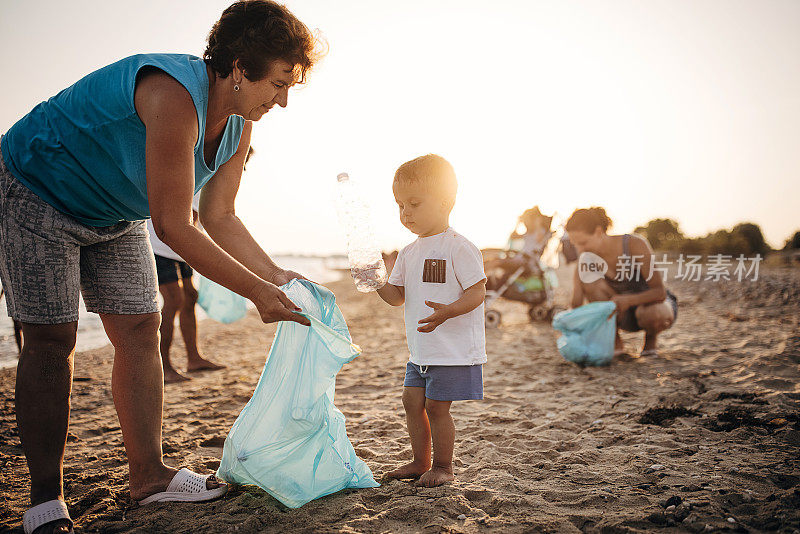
point(410, 470)
point(171, 376)
point(436, 476)
point(201, 364)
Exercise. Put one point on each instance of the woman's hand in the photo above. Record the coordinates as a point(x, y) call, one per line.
point(284, 277)
point(623, 303)
point(273, 305)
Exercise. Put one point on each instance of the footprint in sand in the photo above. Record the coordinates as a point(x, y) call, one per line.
point(216, 441)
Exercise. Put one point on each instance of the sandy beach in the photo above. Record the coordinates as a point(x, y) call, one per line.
point(705, 437)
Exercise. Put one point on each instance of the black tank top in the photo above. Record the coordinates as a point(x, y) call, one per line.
point(633, 281)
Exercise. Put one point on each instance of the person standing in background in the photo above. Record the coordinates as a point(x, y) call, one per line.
point(176, 286)
point(180, 297)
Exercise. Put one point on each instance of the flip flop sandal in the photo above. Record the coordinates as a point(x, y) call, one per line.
point(187, 486)
point(44, 513)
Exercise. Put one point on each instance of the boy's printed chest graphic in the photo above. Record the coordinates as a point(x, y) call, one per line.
point(435, 271)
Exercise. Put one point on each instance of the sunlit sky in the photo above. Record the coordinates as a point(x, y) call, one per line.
point(681, 109)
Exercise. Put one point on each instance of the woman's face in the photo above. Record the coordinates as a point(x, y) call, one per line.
point(586, 242)
point(255, 99)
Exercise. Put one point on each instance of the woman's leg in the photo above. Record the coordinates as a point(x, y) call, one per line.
point(138, 388)
point(44, 371)
point(173, 302)
point(654, 318)
point(39, 267)
point(128, 307)
point(138, 391)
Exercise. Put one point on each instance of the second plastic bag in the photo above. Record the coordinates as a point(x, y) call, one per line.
point(290, 439)
point(587, 333)
point(220, 303)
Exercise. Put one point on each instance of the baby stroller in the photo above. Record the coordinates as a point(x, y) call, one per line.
point(521, 275)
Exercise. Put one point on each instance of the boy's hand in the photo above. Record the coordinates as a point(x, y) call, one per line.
point(439, 316)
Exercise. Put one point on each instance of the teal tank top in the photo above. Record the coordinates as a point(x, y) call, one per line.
point(83, 151)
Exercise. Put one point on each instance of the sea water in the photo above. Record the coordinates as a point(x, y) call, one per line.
point(90, 329)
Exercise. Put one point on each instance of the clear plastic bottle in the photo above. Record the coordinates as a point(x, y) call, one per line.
point(363, 253)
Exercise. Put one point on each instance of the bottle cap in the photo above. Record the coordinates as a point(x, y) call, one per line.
point(342, 176)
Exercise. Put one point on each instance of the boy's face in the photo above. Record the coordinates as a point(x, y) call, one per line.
point(420, 210)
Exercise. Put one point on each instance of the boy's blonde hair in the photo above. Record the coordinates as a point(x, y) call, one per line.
point(431, 171)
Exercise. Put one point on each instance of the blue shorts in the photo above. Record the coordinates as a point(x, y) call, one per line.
point(446, 382)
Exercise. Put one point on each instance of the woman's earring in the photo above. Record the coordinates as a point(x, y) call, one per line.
point(236, 87)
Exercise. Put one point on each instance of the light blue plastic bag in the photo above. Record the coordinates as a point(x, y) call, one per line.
point(588, 333)
point(290, 440)
point(220, 303)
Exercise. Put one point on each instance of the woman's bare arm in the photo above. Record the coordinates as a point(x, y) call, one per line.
point(170, 119)
point(218, 215)
point(642, 252)
point(577, 289)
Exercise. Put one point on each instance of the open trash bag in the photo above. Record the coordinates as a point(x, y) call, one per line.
point(220, 303)
point(290, 439)
point(587, 333)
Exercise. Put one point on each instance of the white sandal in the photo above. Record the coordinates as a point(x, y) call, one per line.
point(44, 513)
point(186, 486)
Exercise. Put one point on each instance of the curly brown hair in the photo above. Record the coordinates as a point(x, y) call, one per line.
point(258, 32)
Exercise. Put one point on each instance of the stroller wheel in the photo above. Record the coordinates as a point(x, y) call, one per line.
point(492, 318)
point(540, 313)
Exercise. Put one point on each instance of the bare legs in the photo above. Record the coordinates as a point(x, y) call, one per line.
point(180, 299)
point(654, 318)
point(188, 321)
point(138, 390)
point(44, 371)
point(137, 387)
point(443, 435)
point(419, 431)
point(429, 423)
point(173, 301)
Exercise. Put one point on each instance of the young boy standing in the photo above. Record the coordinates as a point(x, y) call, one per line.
point(440, 279)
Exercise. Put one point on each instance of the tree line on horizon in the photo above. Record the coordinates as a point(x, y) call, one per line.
point(744, 238)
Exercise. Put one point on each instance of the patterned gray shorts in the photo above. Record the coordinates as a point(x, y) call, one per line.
point(48, 257)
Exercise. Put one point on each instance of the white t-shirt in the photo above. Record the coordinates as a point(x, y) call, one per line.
point(159, 247)
point(439, 268)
